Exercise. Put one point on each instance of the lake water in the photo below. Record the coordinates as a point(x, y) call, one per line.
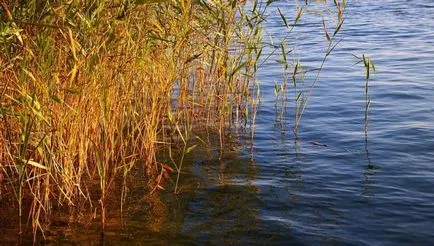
point(349, 192)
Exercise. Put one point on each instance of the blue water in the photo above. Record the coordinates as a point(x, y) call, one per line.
point(377, 190)
point(352, 191)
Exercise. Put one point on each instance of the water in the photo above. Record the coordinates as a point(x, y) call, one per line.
point(352, 191)
point(377, 192)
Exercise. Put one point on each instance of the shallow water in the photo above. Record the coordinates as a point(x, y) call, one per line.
point(352, 191)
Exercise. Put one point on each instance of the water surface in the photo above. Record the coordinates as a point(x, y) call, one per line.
point(351, 191)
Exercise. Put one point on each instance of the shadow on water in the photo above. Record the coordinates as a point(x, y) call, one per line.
point(219, 203)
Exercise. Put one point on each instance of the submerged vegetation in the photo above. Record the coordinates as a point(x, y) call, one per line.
point(92, 90)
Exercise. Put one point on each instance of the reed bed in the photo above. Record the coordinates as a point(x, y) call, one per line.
point(92, 90)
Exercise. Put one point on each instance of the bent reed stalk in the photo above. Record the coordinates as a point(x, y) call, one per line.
point(90, 90)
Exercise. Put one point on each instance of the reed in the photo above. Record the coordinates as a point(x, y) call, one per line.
point(332, 14)
point(91, 90)
point(369, 66)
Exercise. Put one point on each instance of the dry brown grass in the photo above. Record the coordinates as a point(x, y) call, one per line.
point(91, 89)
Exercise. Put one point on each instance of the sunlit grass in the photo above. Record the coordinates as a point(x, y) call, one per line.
point(90, 90)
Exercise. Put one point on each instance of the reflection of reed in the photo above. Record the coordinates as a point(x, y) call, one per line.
point(368, 172)
point(226, 207)
point(159, 211)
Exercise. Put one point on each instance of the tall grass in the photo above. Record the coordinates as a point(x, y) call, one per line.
point(92, 89)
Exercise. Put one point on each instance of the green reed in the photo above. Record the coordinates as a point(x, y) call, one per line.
point(369, 66)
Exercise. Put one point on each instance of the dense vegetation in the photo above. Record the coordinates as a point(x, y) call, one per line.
point(92, 90)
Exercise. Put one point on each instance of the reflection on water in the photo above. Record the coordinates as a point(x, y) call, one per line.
point(357, 190)
point(348, 189)
point(226, 208)
point(369, 173)
point(218, 203)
